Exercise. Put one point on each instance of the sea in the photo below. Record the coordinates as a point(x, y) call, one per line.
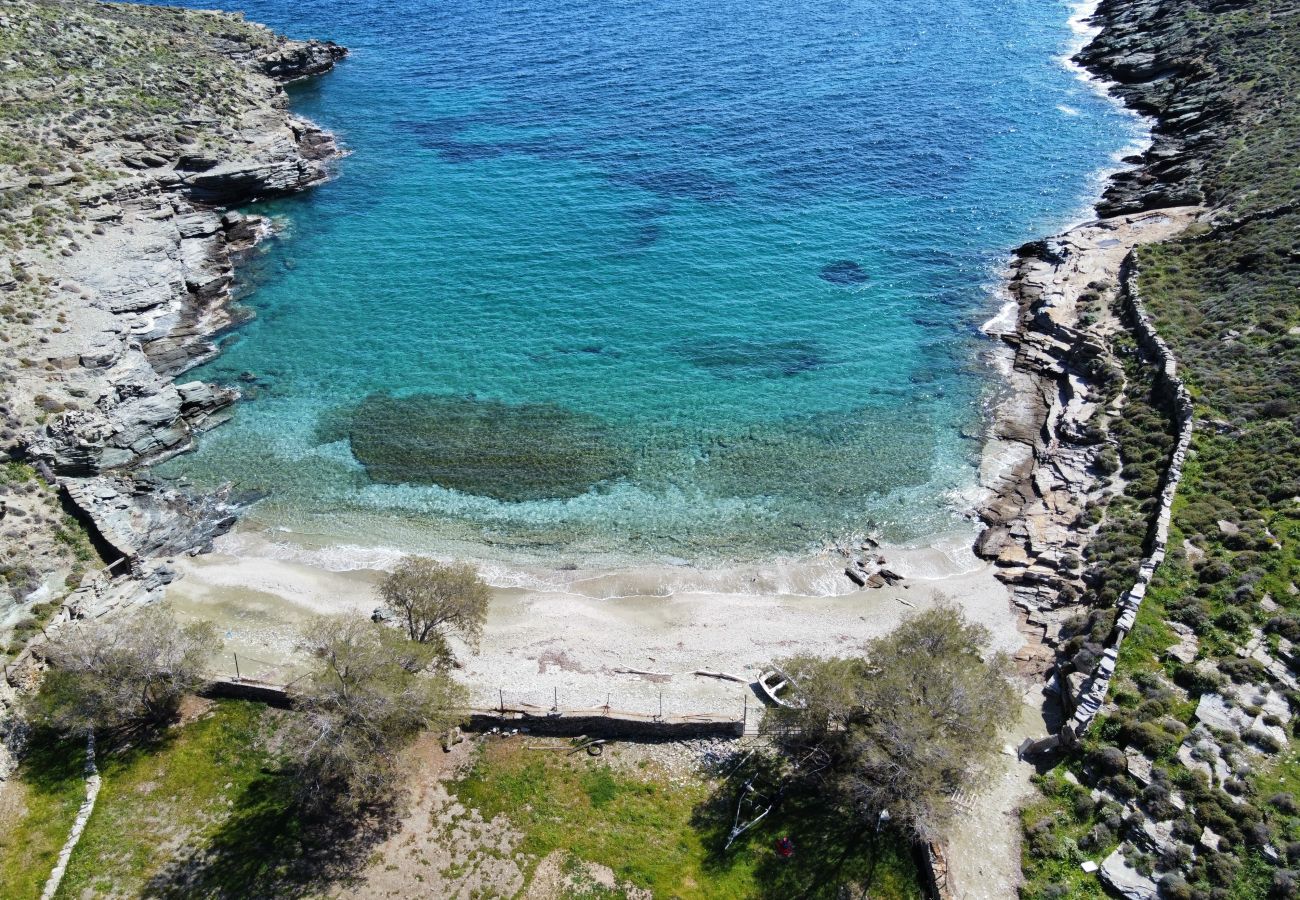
point(654, 281)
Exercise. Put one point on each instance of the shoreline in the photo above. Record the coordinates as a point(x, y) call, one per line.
point(815, 576)
point(147, 524)
point(1041, 468)
point(575, 638)
point(633, 638)
point(815, 572)
point(136, 288)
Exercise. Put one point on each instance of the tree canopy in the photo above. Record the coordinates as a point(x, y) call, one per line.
point(371, 691)
point(904, 725)
point(122, 672)
point(434, 601)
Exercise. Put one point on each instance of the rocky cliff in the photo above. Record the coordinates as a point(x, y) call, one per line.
point(126, 135)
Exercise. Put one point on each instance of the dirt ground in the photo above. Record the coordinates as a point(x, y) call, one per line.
point(984, 841)
point(443, 850)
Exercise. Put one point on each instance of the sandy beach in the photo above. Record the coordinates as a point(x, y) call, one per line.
point(622, 637)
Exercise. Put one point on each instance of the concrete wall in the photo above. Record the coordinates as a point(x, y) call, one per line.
point(614, 724)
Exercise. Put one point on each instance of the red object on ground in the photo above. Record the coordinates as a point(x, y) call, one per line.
point(784, 847)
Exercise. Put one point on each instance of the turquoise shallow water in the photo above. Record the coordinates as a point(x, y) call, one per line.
point(703, 279)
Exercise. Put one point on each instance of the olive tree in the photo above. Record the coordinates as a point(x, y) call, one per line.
point(903, 726)
point(434, 601)
point(120, 673)
point(369, 693)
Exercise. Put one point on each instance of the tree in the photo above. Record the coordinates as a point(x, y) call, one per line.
point(125, 672)
point(434, 601)
point(369, 694)
point(904, 726)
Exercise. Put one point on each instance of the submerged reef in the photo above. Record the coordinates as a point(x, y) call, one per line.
point(513, 452)
point(845, 272)
point(753, 358)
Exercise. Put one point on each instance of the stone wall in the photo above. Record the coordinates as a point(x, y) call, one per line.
point(611, 724)
point(1083, 706)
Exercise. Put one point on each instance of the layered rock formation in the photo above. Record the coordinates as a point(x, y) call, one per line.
point(1044, 463)
point(1043, 466)
point(126, 134)
point(1219, 78)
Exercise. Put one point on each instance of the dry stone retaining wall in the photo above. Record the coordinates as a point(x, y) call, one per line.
point(1172, 389)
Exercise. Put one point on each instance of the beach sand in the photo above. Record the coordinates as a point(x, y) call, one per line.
point(574, 634)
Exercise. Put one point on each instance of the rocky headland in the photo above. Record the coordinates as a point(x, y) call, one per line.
point(1160, 334)
point(127, 136)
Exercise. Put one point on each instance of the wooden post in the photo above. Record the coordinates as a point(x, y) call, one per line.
point(238, 677)
point(556, 707)
point(661, 703)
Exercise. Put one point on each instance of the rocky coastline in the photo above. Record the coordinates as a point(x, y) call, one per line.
point(1049, 465)
point(1045, 468)
point(120, 245)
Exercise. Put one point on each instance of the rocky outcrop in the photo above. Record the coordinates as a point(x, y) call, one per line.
point(297, 60)
point(120, 253)
point(138, 518)
point(1046, 463)
point(1043, 463)
point(1148, 51)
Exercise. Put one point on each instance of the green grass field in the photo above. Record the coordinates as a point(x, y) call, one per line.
point(177, 792)
point(667, 836)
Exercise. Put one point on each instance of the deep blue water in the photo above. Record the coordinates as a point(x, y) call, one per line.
point(725, 261)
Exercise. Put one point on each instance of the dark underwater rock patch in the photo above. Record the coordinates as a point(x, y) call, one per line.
point(512, 452)
point(845, 272)
point(810, 457)
point(678, 184)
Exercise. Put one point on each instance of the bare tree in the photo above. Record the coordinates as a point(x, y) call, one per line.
point(434, 601)
point(370, 693)
point(906, 725)
point(123, 672)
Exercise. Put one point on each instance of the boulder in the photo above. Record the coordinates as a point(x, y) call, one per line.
point(1125, 880)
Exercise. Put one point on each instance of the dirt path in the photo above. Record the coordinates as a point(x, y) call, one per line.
point(445, 849)
point(984, 841)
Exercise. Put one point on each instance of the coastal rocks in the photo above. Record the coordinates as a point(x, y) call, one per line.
point(296, 60)
point(139, 417)
point(138, 518)
point(1153, 56)
point(1041, 468)
point(118, 260)
point(282, 160)
point(869, 571)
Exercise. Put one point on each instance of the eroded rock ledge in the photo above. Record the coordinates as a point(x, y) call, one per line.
point(1044, 465)
point(142, 126)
